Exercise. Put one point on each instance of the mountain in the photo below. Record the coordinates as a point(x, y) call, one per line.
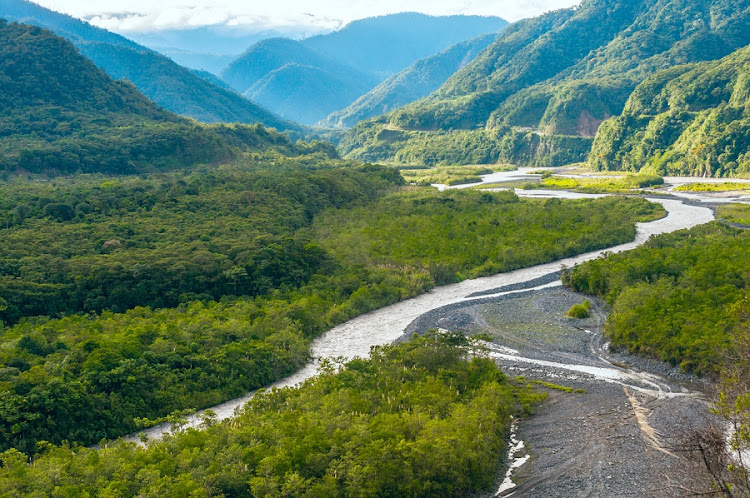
point(307, 94)
point(417, 81)
point(171, 86)
point(212, 48)
point(307, 80)
point(297, 82)
point(60, 113)
point(687, 120)
point(555, 78)
point(388, 44)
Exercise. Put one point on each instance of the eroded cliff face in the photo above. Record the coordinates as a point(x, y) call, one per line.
point(588, 125)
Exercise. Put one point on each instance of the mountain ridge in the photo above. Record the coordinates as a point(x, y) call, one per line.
point(172, 86)
point(565, 72)
point(416, 81)
point(60, 113)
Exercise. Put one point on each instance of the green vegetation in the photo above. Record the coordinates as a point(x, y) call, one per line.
point(733, 406)
point(169, 85)
point(288, 246)
point(561, 75)
point(625, 184)
point(580, 311)
point(94, 244)
point(425, 418)
point(688, 120)
point(377, 140)
point(556, 387)
point(462, 234)
point(417, 81)
point(674, 297)
point(713, 187)
point(61, 114)
point(735, 213)
point(449, 175)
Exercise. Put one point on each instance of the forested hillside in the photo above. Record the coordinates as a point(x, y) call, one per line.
point(677, 297)
point(169, 85)
point(417, 81)
point(561, 74)
point(60, 113)
point(689, 120)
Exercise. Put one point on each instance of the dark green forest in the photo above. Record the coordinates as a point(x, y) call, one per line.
point(425, 418)
point(287, 249)
point(677, 298)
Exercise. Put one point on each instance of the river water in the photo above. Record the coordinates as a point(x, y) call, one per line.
point(384, 326)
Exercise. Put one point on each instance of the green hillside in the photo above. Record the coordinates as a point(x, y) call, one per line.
point(688, 120)
point(171, 86)
point(417, 81)
point(565, 72)
point(60, 113)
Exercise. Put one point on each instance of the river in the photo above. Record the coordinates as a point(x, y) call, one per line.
point(384, 326)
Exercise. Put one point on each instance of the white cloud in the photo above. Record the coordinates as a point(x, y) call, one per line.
point(147, 15)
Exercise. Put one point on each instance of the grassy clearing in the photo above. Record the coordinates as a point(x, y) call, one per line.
point(713, 187)
point(736, 213)
point(624, 184)
point(450, 175)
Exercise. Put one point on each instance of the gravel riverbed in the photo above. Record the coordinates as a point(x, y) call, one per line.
point(613, 440)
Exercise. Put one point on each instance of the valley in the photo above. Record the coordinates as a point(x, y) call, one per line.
point(409, 254)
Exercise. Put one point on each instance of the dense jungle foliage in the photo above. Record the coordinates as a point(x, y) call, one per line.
point(425, 418)
point(288, 248)
point(675, 298)
point(562, 73)
point(377, 141)
point(689, 120)
point(466, 234)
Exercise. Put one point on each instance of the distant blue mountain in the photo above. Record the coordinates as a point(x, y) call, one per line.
point(416, 81)
point(210, 48)
point(297, 82)
point(307, 80)
point(388, 44)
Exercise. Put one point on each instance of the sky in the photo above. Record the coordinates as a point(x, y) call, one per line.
point(143, 16)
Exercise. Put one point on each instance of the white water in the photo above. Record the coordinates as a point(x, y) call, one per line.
point(356, 337)
point(515, 447)
point(670, 183)
point(501, 176)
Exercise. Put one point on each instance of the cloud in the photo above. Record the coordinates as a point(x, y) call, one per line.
point(148, 16)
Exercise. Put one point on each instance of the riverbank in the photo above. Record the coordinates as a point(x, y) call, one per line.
point(612, 439)
point(384, 326)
